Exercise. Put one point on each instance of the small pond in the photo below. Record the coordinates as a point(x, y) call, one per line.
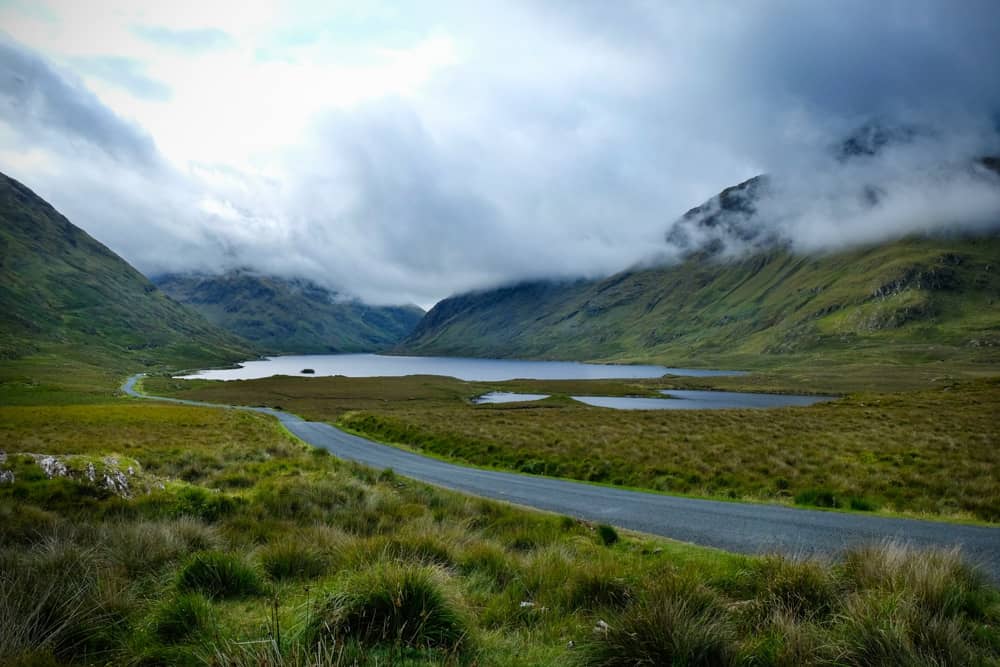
point(674, 400)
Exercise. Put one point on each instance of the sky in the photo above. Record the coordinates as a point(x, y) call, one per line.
point(401, 152)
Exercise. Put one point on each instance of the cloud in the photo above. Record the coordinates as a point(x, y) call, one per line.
point(49, 109)
point(188, 39)
point(420, 152)
point(126, 73)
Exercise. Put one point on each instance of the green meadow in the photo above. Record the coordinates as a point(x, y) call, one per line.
point(928, 451)
point(238, 545)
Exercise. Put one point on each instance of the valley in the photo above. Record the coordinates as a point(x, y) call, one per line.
point(140, 532)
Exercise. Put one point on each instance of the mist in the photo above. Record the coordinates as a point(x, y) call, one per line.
point(422, 152)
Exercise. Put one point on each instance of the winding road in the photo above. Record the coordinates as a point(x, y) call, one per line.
point(739, 527)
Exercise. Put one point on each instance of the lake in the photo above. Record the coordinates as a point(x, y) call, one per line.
point(675, 400)
point(482, 370)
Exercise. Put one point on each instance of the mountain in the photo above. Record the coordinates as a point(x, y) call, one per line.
point(61, 289)
point(290, 316)
point(922, 297)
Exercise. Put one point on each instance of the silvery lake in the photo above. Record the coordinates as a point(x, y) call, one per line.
point(482, 370)
point(497, 370)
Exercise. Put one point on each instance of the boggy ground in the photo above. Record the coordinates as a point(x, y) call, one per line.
point(234, 544)
point(928, 451)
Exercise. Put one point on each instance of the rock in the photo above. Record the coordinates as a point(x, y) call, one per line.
point(6, 476)
point(52, 466)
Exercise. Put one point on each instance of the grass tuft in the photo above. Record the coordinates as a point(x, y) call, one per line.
point(181, 617)
point(676, 623)
point(290, 559)
point(392, 603)
point(218, 574)
point(607, 534)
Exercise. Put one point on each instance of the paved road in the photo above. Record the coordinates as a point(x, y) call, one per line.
point(739, 527)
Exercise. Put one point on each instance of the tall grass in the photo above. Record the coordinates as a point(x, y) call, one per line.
point(318, 562)
point(218, 574)
point(676, 622)
point(393, 603)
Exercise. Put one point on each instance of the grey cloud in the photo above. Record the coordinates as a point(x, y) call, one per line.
point(191, 39)
point(566, 141)
point(126, 73)
point(55, 110)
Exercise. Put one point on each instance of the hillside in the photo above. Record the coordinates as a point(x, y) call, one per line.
point(62, 290)
point(916, 299)
point(290, 316)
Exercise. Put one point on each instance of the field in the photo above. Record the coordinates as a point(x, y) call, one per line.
point(928, 452)
point(237, 545)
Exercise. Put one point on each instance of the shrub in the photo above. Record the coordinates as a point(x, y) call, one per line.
point(676, 623)
point(392, 603)
point(181, 617)
point(293, 560)
point(817, 498)
point(862, 504)
point(607, 534)
point(218, 574)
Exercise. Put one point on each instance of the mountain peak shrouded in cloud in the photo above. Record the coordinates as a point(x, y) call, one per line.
point(401, 154)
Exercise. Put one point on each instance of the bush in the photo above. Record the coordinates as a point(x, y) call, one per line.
point(817, 498)
point(293, 560)
point(862, 504)
point(181, 617)
point(676, 623)
point(218, 574)
point(607, 534)
point(392, 603)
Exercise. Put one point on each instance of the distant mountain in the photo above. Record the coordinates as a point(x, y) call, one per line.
point(290, 316)
point(926, 295)
point(60, 288)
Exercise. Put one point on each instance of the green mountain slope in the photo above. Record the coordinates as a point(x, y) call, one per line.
point(61, 290)
point(290, 316)
point(916, 299)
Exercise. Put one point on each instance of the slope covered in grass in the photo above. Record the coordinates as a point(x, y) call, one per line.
point(63, 291)
point(290, 316)
point(913, 300)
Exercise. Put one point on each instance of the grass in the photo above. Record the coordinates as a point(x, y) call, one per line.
point(394, 603)
point(927, 452)
point(219, 575)
point(258, 550)
point(919, 304)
